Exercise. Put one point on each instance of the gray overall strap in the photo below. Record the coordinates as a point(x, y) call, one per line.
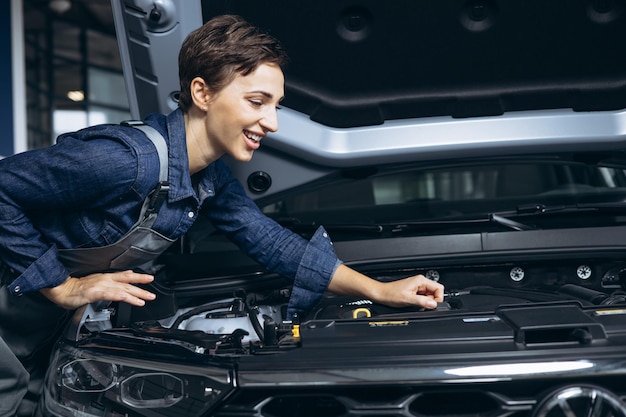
point(160, 192)
point(158, 141)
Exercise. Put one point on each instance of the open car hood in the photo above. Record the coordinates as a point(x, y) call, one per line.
point(361, 63)
point(447, 78)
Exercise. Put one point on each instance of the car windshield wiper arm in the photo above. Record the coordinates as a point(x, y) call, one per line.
point(395, 228)
point(296, 225)
point(539, 208)
point(504, 221)
point(502, 218)
point(491, 218)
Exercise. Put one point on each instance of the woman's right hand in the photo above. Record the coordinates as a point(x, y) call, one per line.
point(112, 286)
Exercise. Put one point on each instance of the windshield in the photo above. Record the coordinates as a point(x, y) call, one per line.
point(452, 191)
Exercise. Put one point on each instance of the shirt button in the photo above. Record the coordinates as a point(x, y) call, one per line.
point(191, 214)
point(16, 289)
point(325, 234)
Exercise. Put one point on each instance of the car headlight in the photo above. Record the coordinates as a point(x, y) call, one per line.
point(82, 384)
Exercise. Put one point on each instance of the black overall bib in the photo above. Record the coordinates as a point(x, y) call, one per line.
point(30, 322)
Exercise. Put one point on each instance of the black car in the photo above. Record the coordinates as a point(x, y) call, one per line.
point(481, 143)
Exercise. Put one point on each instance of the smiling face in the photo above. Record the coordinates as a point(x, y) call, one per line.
point(244, 111)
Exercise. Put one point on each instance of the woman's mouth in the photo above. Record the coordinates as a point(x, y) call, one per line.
point(252, 136)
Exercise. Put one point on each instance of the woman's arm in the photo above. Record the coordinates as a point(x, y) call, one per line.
point(416, 290)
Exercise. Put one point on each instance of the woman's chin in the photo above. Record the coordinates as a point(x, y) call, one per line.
point(243, 156)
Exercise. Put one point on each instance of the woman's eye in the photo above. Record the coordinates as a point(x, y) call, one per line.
point(256, 103)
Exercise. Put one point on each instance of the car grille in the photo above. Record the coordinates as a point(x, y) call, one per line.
point(512, 399)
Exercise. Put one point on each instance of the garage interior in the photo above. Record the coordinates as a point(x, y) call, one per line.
point(72, 68)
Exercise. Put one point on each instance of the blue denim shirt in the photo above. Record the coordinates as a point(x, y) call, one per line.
point(87, 191)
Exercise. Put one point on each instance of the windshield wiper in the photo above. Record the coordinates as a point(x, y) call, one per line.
point(501, 218)
point(406, 227)
point(539, 208)
point(298, 226)
point(491, 218)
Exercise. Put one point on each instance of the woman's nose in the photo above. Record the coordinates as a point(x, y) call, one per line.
point(270, 120)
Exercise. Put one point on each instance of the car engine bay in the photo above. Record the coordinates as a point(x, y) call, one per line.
point(254, 321)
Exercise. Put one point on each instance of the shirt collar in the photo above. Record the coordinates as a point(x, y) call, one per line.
point(181, 186)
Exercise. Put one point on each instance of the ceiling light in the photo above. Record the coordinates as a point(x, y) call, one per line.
point(60, 6)
point(76, 95)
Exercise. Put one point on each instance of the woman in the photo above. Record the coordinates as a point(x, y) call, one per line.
point(66, 208)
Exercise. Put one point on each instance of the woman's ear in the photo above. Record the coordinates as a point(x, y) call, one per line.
point(200, 93)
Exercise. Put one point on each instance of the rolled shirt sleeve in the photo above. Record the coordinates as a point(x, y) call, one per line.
point(317, 266)
point(46, 271)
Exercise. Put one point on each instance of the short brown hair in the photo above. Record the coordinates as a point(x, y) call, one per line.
point(222, 48)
